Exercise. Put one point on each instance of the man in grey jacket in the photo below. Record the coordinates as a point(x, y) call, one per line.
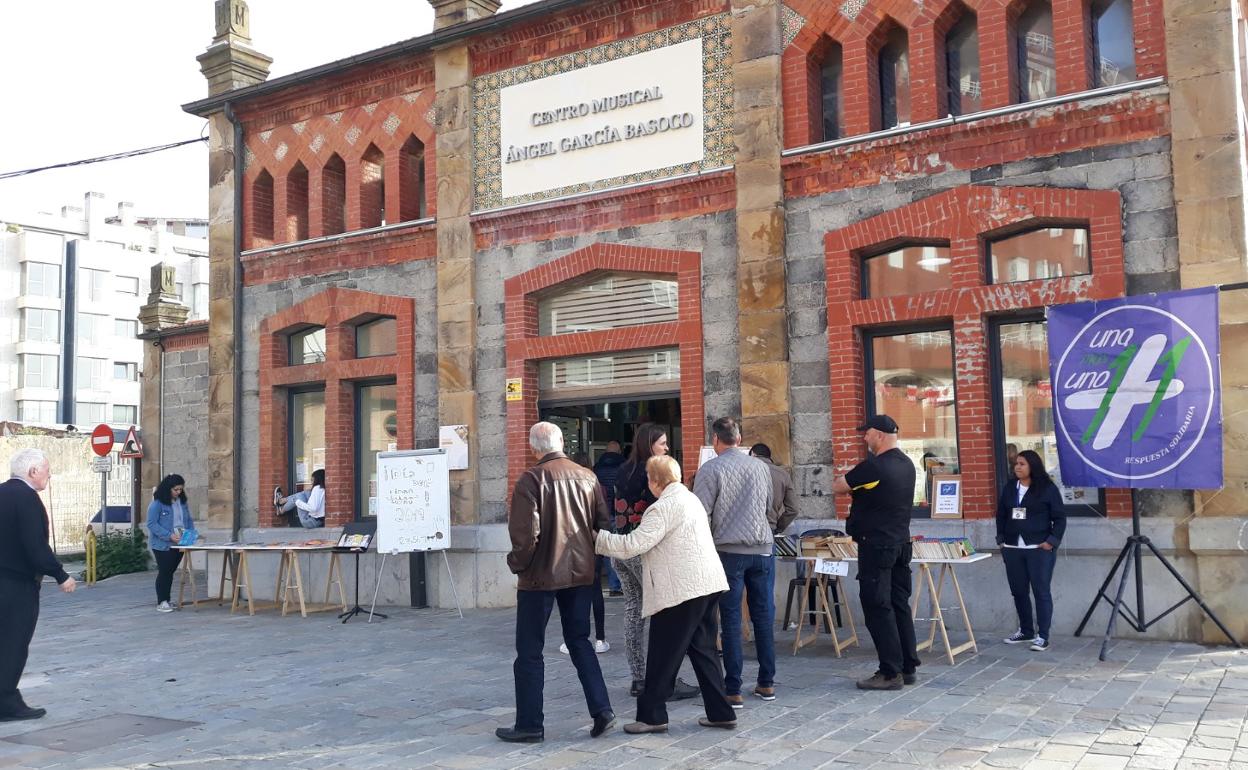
point(737, 493)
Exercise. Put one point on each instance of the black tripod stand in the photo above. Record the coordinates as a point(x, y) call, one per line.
point(1137, 619)
point(357, 610)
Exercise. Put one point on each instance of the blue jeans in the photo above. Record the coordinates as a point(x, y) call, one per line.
point(756, 575)
point(532, 614)
point(1030, 572)
point(308, 521)
point(613, 580)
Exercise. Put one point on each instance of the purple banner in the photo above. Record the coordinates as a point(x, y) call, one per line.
point(1137, 398)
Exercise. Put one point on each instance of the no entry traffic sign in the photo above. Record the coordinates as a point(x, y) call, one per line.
point(102, 440)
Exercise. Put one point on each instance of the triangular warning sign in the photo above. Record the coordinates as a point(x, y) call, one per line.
point(131, 448)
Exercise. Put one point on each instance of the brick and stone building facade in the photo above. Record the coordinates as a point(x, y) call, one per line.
point(884, 198)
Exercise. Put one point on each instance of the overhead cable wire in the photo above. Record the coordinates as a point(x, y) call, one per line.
point(102, 158)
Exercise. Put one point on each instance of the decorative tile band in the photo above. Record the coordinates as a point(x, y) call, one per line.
point(717, 96)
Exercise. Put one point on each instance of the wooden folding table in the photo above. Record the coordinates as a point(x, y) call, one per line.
point(934, 587)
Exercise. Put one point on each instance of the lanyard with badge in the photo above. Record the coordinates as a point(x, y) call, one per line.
point(1020, 513)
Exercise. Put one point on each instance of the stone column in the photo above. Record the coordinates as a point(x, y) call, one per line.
point(162, 311)
point(228, 64)
point(1206, 146)
point(457, 296)
point(762, 323)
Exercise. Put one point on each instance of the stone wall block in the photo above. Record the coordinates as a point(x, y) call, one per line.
point(763, 337)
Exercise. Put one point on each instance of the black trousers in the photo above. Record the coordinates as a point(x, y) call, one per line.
point(1030, 571)
point(884, 589)
point(688, 629)
point(166, 564)
point(19, 612)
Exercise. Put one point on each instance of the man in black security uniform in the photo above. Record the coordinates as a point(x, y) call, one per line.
point(882, 487)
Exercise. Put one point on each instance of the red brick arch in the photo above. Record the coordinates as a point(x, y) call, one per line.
point(965, 217)
point(525, 348)
point(339, 311)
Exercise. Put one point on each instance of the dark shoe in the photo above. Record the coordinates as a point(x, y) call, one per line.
point(766, 693)
point(25, 712)
point(635, 690)
point(614, 593)
point(1018, 637)
point(1039, 644)
point(729, 725)
point(603, 722)
point(878, 681)
point(684, 691)
point(909, 677)
point(512, 735)
point(736, 701)
point(639, 728)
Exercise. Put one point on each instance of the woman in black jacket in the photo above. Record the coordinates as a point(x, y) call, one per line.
point(1031, 519)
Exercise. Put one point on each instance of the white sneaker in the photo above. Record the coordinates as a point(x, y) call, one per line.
point(601, 646)
point(1039, 644)
point(564, 648)
point(164, 607)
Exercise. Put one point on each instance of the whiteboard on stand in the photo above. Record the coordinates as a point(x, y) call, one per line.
point(413, 501)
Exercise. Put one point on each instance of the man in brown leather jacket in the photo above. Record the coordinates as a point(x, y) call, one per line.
point(556, 510)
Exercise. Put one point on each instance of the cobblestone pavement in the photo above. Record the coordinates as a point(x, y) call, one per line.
point(426, 689)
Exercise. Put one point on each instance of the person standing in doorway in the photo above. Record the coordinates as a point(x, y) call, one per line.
point(632, 498)
point(736, 491)
point(556, 510)
point(24, 559)
point(1031, 520)
point(607, 469)
point(882, 491)
point(168, 516)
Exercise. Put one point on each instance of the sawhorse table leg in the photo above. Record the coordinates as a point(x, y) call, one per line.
point(937, 621)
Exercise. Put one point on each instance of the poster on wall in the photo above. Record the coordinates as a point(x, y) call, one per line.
point(946, 496)
point(454, 439)
point(1136, 391)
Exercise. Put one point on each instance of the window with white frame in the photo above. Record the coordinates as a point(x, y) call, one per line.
point(125, 328)
point(125, 414)
point(40, 371)
point(89, 411)
point(42, 280)
point(128, 285)
point(90, 373)
point(92, 284)
point(91, 328)
point(127, 371)
point(41, 412)
point(41, 325)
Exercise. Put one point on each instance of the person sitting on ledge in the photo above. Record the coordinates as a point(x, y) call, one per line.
point(309, 504)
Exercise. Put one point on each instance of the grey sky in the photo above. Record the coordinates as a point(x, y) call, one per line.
point(91, 77)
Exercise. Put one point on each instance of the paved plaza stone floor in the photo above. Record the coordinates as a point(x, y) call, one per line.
point(127, 687)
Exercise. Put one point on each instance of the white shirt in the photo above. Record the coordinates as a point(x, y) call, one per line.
point(315, 506)
point(1022, 490)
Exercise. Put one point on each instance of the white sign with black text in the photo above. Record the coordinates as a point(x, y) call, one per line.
point(830, 567)
point(626, 116)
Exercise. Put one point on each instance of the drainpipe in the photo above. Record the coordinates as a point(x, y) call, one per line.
point(236, 296)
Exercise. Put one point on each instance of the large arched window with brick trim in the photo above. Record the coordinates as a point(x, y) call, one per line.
point(262, 210)
point(607, 316)
point(1035, 56)
point(372, 188)
point(961, 366)
point(412, 199)
point(1113, 42)
point(961, 85)
point(322, 405)
point(297, 203)
point(334, 196)
point(893, 63)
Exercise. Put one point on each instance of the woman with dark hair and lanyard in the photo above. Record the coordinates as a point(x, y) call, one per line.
point(168, 516)
point(1031, 519)
point(632, 498)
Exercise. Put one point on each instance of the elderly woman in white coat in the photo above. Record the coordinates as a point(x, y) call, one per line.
point(682, 578)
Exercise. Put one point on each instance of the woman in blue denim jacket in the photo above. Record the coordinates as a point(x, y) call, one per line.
point(168, 517)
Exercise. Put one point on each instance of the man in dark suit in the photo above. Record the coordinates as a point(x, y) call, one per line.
point(24, 559)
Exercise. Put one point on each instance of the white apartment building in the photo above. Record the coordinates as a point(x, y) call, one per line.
point(71, 285)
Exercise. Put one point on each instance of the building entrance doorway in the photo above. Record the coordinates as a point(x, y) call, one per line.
point(588, 425)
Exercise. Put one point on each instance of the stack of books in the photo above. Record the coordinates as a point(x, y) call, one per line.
point(942, 547)
point(830, 547)
point(786, 546)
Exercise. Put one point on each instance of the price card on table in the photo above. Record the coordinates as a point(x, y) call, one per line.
point(831, 567)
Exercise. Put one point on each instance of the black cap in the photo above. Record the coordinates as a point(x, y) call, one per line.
point(881, 422)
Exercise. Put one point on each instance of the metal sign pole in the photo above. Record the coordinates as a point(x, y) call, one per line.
point(104, 500)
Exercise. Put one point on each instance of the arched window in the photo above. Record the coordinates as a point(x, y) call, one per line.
point(297, 203)
point(307, 346)
point(372, 188)
point(962, 66)
point(334, 196)
point(907, 269)
point(1113, 42)
point(831, 70)
point(1045, 252)
point(262, 210)
point(894, 64)
point(412, 181)
point(1033, 40)
point(607, 301)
